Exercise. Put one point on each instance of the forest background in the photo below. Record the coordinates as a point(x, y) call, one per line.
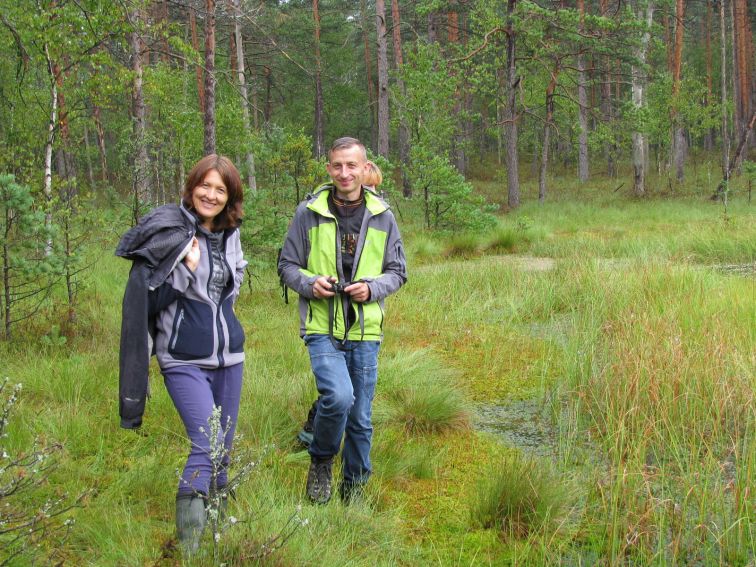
point(567, 134)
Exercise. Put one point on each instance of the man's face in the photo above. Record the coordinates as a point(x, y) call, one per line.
point(347, 168)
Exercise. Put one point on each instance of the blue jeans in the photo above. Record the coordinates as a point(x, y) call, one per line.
point(346, 383)
point(194, 392)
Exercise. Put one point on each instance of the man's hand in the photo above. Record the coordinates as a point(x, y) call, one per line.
point(192, 257)
point(322, 287)
point(359, 291)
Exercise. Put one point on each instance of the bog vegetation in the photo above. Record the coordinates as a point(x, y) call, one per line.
point(569, 375)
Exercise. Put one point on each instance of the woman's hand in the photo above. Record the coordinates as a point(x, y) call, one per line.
point(192, 257)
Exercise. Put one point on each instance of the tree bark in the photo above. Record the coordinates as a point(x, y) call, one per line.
point(372, 102)
point(383, 100)
point(100, 143)
point(197, 68)
point(403, 128)
point(319, 133)
point(583, 169)
point(723, 71)
point(709, 135)
point(47, 189)
point(679, 141)
point(741, 62)
point(510, 113)
point(141, 185)
point(639, 79)
point(209, 77)
point(546, 135)
point(606, 103)
point(239, 40)
point(88, 155)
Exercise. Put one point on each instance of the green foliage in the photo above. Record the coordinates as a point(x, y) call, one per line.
point(30, 262)
point(448, 200)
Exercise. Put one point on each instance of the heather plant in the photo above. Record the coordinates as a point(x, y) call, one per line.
point(30, 527)
point(243, 464)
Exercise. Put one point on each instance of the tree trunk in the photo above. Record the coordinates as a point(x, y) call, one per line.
point(47, 190)
point(372, 102)
point(239, 40)
point(319, 134)
point(741, 64)
point(510, 113)
point(546, 136)
point(723, 71)
point(457, 148)
point(100, 143)
point(640, 159)
point(197, 68)
point(383, 100)
point(583, 169)
point(88, 155)
point(432, 28)
point(210, 77)
point(606, 103)
point(403, 128)
point(141, 185)
point(678, 141)
point(65, 159)
point(709, 134)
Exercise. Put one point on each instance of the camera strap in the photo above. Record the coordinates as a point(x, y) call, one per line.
point(332, 322)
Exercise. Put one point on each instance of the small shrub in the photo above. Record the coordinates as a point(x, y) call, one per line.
point(520, 497)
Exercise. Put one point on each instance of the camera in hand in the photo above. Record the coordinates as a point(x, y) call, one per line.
point(338, 287)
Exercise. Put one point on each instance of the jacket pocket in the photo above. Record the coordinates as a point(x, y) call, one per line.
point(192, 334)
point(235, 330)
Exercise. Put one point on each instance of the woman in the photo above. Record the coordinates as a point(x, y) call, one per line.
point(198, 340)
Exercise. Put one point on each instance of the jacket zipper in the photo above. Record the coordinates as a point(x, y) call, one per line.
point(178, 326)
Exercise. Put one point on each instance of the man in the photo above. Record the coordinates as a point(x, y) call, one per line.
point(343, 255)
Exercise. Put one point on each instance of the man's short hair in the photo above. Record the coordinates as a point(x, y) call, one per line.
point(346, 142)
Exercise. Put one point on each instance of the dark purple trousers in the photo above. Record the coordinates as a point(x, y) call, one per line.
point(195, 391)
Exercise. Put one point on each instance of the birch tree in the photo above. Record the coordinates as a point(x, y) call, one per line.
point(644, 10)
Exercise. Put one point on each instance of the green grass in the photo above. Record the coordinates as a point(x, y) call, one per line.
point(522, 497)
point(614, 313)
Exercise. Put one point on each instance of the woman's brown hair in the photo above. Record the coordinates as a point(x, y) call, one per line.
point(230, 216)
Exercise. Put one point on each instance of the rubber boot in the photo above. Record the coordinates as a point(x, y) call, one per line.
point(191, 518)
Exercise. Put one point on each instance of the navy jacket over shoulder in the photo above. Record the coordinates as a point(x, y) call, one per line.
point(155, 245)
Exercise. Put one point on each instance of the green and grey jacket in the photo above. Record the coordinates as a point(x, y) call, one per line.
point(311, 250)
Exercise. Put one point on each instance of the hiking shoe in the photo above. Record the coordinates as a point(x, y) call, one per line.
point(351, 491)
point(319, 480)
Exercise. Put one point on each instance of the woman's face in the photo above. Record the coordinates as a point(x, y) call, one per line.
point(210, 197)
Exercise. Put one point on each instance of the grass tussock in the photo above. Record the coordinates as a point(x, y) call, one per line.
point(464, 245)
point(419, 395)
point(521, 497)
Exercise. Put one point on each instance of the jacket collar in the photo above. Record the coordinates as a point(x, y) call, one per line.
point(319, 201)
